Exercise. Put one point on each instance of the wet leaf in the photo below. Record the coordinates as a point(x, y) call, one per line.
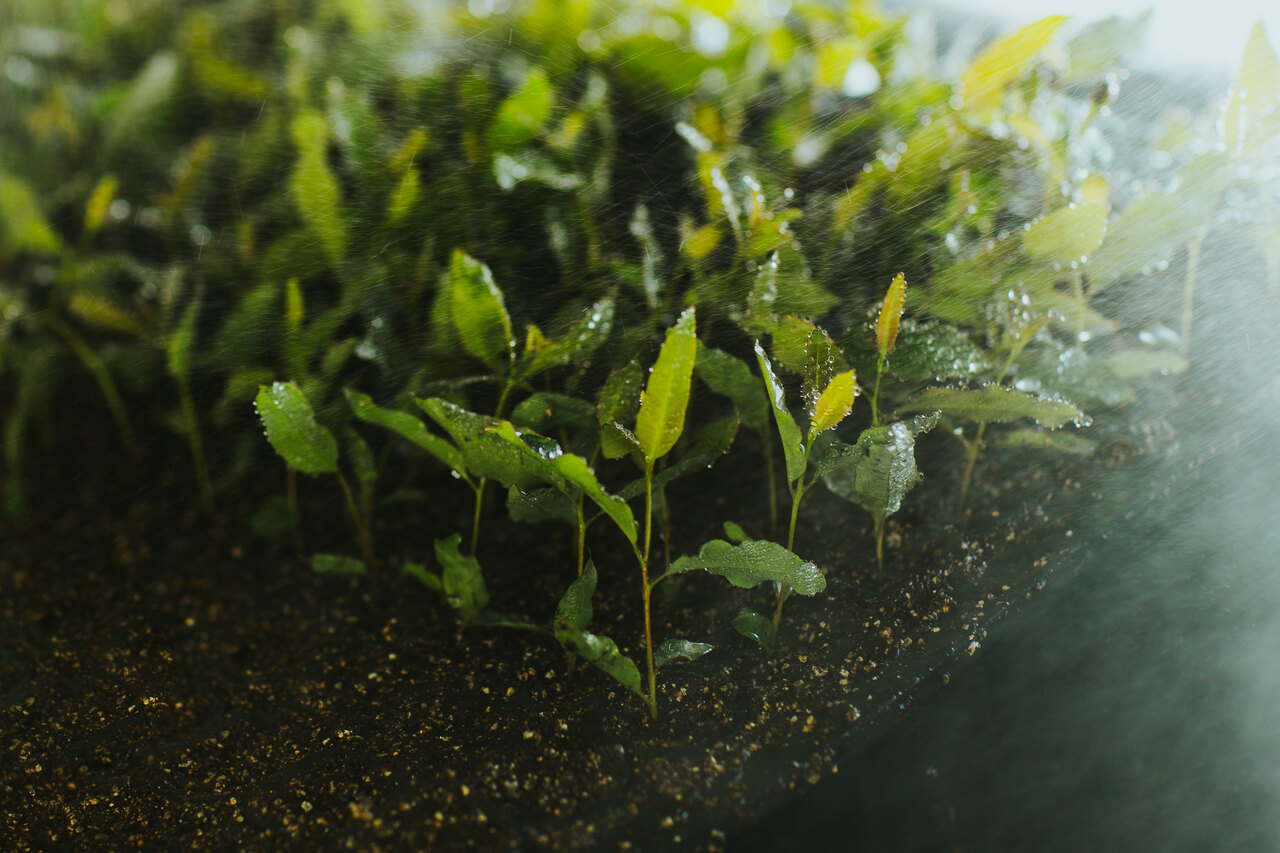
point(1068, 234)
point(336, 564)
point(881, 469)
point(620, 396)
point(461, 579)
point(315, 188)
point(1136, 363)
point(1251, 119)
point(537, 505)
point(581, 340)
point(478, 312)
point(788, 432)
point(487, 454)
point(666, 395)
point(753, 562)
point(936, 350)
point(1103, 45)
point(995, 404)
point(673, 649)
point(292, 429)
point(1003, 62)
point(890, 315)
point(1057, 442)
point(521, 116)
point(732, 378)
point(406, 426)
point(834, 404)
point(572, 618)
point(754, 626)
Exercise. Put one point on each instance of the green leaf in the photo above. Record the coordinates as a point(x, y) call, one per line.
point(1103, 45)
point(1251, 119)
point(538, 505)
point(178, 346)
point(549, 414)
point(478, 312)
point(361, 460)
point(1003, 62)
point(98, 312)
point(561, 470)
point(732, 378)
point(754, 626)
point(935, 350)
point(1058, 442)
point(734, 531)
point(572, 618)
point(583, 338)
point(422, 574)
point(292, 429)
point(487, 455)
point(996, 404)
point(752, 562)
point(620, 396)
point(882, 468)
point(335, 564)
point(890, 316)
point(1067, 235)
point(788, 432)
point(315, 189)
point(666, 396)
point(1153, 227)
point(406, 426)
point(522, 115)
point(1136, 363)
point(461, 580)
point(713, 440)
point(669, 650)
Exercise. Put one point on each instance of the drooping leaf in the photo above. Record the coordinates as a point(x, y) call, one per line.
point(753, 562)
point(461, 579)
point(336, 564)
point(406, 426)
point(315, 188)
point(572, 618)
point(487, 455)
point(731, 377)
point(995, 404)
point(754, 626)
point(986, 78)
point(788, 432)
point(424, 576)
point(673, 649)
point(882, 468)
point(890, 315)
point(1058, 442)
point(523, 114)
point(478, 312)
point(561, 470)
point(537, 505)
point(834, 404)
point(666, 395)
point(292, 429)
point(1067, 235)
point(582, 338)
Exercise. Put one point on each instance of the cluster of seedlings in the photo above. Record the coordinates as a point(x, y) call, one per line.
point(569, 250)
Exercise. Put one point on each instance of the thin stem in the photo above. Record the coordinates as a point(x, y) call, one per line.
point(784, 590)
point(475, 517)
point(644, 586)
point(582, 536)
point(365, 548)
point(971, 460)
point(879, 529)
point(1189, 287)
point(194, 441)
point(875, 393)
point(106, 385)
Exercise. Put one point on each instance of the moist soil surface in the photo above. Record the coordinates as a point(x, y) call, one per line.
point(170, 681)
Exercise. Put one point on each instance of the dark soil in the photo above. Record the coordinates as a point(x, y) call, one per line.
point(169, 681)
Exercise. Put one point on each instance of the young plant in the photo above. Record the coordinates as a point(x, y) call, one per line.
point(829, 408)
point(311, 448)
point(887, 323)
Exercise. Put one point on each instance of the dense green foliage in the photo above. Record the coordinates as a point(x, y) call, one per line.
point(401, 229)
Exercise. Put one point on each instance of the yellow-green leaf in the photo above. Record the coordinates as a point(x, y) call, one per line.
point(95, 210)
point(891, 315)
point(835, 402)
point(523, 114)
point(478, 311)
point(1068, 234)
point(666, 396)
point(986, 78)
point(1252, 114)
point(315, 189)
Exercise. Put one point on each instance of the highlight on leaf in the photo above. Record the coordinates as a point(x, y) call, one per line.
point(891, 315)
